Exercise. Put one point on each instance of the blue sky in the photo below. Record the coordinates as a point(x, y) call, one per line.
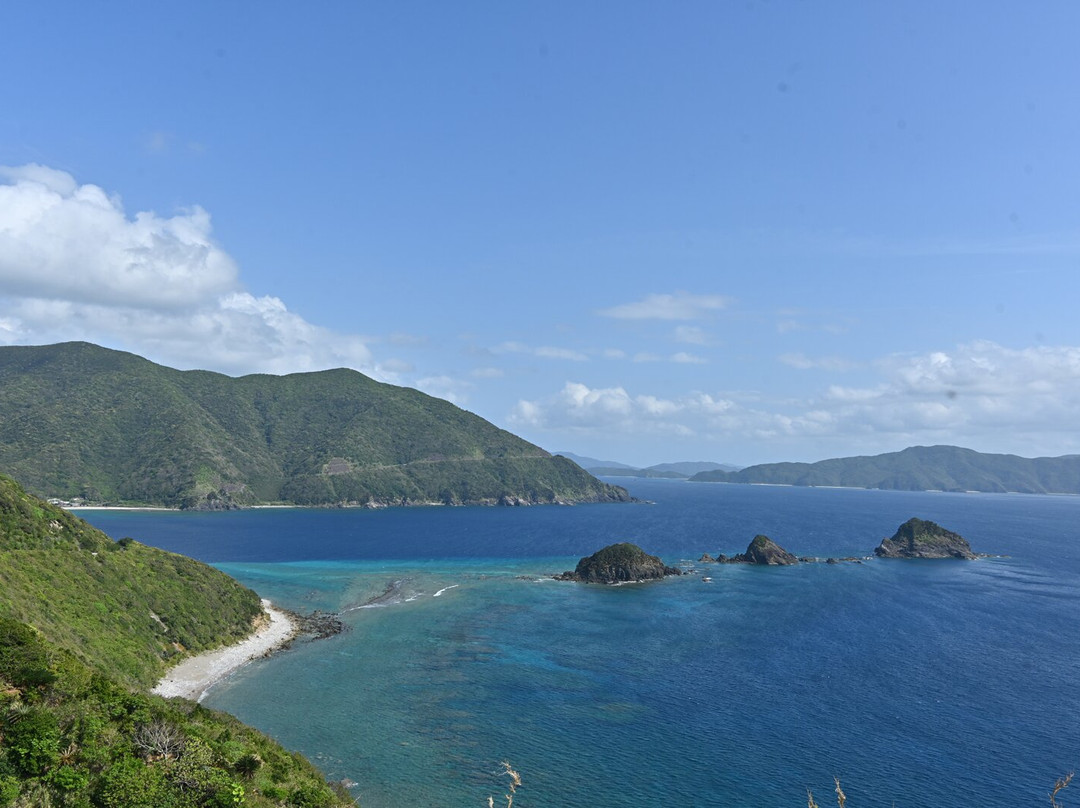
point(741, 232)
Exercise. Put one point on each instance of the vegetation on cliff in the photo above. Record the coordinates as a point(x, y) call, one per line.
point(920, 468)
point(619, 563)
point(81, 421)
point(918, 538)
point(121, 607)
point(85, 624)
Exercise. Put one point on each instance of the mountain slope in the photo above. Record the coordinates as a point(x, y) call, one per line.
point(121, 607)
point(921, 468)
point(82, 421)
point(84, 624)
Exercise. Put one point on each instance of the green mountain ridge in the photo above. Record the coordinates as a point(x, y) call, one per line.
point(920, 468)
point(86, 625)
point(83, 422)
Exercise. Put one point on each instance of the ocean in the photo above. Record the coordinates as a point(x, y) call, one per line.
point(917, 683)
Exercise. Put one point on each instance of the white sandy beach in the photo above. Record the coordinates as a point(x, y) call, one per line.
point(195, 675)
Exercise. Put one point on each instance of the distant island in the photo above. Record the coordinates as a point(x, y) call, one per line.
point(85, 424)
point(920, 468)
point(670, 471)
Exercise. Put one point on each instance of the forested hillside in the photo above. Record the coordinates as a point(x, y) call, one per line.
point(80, 421)
point(921, 468)
point(85, 625)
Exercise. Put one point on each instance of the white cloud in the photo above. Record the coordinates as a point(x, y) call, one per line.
point(975, 388)
point(74, 265)
point(612, 409)
point(691, 334)
point(979, 394)
point(487, 373)
point(830, 363)
point(561, 353)
point(544, 352)
point(680, 358)
point(679, 306)
point(453, 390)
point(63, 241)
point(396, 366)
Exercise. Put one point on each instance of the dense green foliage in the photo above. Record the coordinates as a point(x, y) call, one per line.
point(618, 563)
point(71, 736)
point(82, 620)
point(921, 468)
point(919, 538)
point(82, 421)
point(121, 607)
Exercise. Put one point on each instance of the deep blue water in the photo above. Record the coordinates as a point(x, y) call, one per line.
point(917, 683)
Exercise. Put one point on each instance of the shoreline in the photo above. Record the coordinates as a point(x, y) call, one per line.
point(193, 677)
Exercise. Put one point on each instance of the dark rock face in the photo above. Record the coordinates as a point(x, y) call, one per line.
point(706, 559)
point(619, 563)
point(764, 551)
point(917, 538)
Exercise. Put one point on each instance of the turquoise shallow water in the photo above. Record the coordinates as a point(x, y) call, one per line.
point(918, 683)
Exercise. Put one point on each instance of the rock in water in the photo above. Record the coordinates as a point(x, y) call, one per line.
point(763, 550)
point(917, 538)
point(619, 563)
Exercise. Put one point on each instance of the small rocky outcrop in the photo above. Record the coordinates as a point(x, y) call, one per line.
point(619, 563)
point(764, 551)
point(706, 559)
point(917, 538)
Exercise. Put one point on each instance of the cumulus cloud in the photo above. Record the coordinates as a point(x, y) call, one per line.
point(60, 240)
point(979, 394)
point(975, 388)
point(679, 306)
point(579, 407)
point(75, 265)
